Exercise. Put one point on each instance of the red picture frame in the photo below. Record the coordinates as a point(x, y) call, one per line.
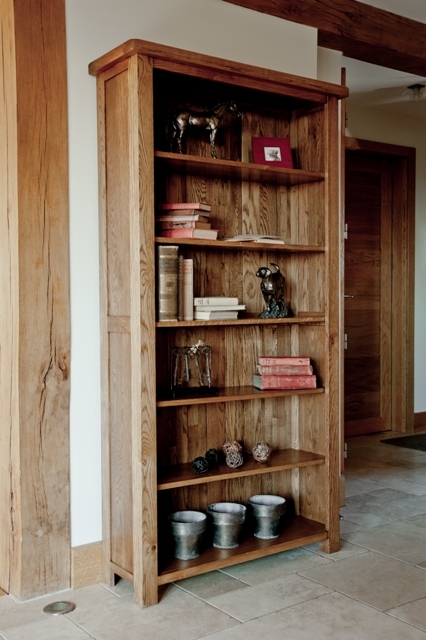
point(272, 151)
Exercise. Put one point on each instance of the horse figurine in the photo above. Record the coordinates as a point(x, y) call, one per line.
point(209, 119)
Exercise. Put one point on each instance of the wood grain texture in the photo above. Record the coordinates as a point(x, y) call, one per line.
point(149, 427)
point(86, 565)
point(37, 324)
point(358, 30)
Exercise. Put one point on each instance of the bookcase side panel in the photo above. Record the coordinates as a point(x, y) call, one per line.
point(117, 294)
point(144, 462)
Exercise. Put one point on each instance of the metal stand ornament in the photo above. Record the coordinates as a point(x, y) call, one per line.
point(191, 369)
point(209, 119)
point(272, 288)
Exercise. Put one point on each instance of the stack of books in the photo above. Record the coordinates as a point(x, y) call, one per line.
point(185, 220)
point(284, 372)
point(217, 308)
point(175, 289)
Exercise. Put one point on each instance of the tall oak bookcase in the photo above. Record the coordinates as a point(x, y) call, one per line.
point(149, 437)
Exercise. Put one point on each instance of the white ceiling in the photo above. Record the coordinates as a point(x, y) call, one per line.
point(374, 86)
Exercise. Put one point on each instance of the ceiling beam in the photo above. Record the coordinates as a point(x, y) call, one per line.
point(357, 29)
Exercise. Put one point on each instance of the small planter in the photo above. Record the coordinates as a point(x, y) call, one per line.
point(227, 518)
point(187, 528)
point(267, 511)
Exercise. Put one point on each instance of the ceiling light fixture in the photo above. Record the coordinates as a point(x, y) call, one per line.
point(416, 92)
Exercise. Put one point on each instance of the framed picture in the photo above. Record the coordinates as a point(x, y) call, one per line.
point(272, 151)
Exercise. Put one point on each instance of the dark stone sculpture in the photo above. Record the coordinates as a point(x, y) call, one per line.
point(272, 288)
point(209, 119)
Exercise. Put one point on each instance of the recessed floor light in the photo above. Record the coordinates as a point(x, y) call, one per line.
point(59, 608)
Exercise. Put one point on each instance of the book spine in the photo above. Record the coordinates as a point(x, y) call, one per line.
point(284, 382)
point(170, 206)
point(167, 301)
point(185, 225)
point(263, 360)
point(180, 288)
point(188, 289)
point(285, 369)
point(214, 300)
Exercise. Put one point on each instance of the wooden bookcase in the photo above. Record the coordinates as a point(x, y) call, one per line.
point(149, 439)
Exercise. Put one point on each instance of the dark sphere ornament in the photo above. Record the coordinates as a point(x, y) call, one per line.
point(200, 465)
point(212, 457)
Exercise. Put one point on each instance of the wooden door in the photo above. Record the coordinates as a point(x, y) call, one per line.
point(368, 293)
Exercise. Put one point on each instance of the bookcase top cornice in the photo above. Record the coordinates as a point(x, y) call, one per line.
point(163, 54)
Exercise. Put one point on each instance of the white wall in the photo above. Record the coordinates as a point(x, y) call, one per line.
point(93, 28)
point(382, 126)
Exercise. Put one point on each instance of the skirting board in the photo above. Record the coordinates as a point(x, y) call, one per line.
point(420, 421)
point(86, 565)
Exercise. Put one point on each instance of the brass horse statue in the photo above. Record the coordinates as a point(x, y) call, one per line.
point(209, 119)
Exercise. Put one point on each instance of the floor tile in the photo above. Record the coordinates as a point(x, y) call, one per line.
point(369, 510)
point(51, 628)
point(253, 602)
point(346, 550)
point(273, 567)
point(208, 585)
point(374, 579)
point(330, 617)
point(188, 616)
point(401, 539)
point(413, 612)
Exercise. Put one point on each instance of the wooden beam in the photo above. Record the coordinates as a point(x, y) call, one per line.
point(34, 285)
point(357, 29)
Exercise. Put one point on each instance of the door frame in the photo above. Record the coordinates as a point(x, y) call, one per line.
point(402, 272)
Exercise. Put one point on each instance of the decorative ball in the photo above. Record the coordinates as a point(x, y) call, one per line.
point(262, 451)
point(212, 457)
point(230, 446)
point(234, 459)
point(200, 465)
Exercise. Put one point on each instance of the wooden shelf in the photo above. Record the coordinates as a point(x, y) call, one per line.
point(182, 475)
point(297, 532)
point(242, 246)
point(231, 394)
point(244, 321)
point(236, 170)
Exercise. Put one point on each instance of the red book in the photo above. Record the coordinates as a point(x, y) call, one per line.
point(201, 206)
point(185, 225)
point(284, 382)
point(183, 215)
point(284, 360)
point(285, 369)
point(206, 234)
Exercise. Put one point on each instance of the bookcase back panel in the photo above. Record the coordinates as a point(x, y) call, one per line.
point(246, 344)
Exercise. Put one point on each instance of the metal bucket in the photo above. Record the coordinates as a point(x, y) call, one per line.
point(187, 528)
point(267, 511)
point(227, 518)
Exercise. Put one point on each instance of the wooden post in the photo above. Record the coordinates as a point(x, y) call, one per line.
point(34, 288)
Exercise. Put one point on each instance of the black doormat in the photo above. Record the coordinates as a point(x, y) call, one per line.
point(409, 442)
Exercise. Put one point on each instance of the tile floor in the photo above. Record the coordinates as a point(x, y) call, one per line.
point(374, 588)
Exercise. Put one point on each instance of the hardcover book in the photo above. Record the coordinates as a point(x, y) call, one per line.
point(170, 206)
point(215, 315)
point(214, 300)
point(285, 369)
point(284, 382)
point(205, 234)
point(194, 224)
point(182, 216)
point(188, 289)
point(168, 270)
point(220, 307)
point(254, 237)
point(284, 360)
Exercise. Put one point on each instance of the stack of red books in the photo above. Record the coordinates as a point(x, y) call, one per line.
point(284, 372)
